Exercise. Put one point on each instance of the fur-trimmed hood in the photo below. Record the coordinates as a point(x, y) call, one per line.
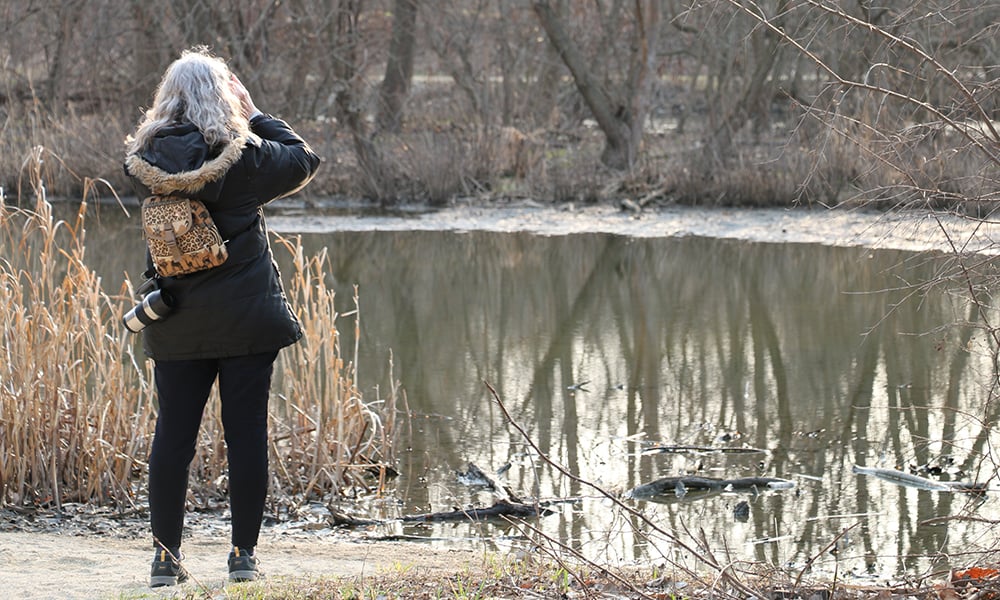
point(177, 160)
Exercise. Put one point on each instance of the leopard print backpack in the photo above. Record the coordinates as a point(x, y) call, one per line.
point(181, 236)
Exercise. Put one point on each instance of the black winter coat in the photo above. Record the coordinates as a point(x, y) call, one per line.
point(237, 308)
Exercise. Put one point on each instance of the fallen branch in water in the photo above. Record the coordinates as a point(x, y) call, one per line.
point(476, 475)
point(683, 448)
point(921, 483)
point(339, 519)
point(500, 510)
point(680, 486)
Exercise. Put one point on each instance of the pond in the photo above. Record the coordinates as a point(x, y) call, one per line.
point(738, 359)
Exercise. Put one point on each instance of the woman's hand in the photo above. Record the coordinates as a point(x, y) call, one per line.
point(247, 106)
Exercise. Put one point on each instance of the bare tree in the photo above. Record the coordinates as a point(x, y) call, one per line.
point(841, 101)
point(149, 58)
point(67, 13)
point(456, 35)
point(398, 66)
point(349, 72)
point(621, 117)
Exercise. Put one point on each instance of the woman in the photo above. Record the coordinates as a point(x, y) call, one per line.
point(204, 139)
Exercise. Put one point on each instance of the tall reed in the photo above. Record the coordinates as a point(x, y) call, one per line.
point(329, 436)
point(74, 398)
point(77, 404)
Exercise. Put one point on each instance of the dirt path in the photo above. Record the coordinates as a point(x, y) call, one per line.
point(53, 566)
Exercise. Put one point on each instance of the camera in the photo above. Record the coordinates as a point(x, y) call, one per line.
point(155, 306)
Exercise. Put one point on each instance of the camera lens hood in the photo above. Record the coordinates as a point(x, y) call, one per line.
point(156, 306)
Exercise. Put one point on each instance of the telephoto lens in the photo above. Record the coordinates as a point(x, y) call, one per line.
point(154, 307)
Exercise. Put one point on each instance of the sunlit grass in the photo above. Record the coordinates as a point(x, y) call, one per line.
point(77, 404)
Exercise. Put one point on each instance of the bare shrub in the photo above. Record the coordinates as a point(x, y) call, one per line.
point(60, 152)
point(908, 101)
point(574, 180)
point(437, 165)
point(517, 153)
point(743, 182)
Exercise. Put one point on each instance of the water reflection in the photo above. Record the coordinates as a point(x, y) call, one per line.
point(600, 345)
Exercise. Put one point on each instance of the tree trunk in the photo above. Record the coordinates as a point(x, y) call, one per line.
point(755, 100)
point(546, 98)
point(620, 119)
point(55, 89)
point(350, 108)
point(399, 66)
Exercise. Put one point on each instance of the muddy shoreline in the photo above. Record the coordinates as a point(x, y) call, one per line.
point(915, 230)
point(912, 230)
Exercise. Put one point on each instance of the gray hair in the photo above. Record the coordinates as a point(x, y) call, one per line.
point(195, 88)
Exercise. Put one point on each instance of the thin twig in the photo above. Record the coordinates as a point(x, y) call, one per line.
point(177, 559)
point(741, 587)
point(521, 525)
point(822, 550)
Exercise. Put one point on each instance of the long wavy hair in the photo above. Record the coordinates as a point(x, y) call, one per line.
point(194, 89)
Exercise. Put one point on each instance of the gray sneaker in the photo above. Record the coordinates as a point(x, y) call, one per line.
point(243, 565)
point(165, 570)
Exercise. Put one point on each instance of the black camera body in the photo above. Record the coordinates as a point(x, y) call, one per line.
point(155, 305)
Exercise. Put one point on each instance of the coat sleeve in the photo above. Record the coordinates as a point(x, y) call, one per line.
point(284, 163)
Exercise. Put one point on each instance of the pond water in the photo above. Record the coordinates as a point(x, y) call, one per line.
point(602, 346)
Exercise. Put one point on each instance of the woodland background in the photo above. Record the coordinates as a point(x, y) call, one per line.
point(722, 102)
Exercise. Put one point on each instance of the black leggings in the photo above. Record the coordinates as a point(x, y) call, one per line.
point(182, 388)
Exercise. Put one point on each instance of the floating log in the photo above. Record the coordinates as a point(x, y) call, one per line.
point(684, 448)
point(680, 486)
point(905, 479)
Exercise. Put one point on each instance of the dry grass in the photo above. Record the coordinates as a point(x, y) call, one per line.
point(495, 578)
point(77, 405)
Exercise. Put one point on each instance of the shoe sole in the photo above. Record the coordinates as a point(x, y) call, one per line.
point(162, 581)
point(242, 576)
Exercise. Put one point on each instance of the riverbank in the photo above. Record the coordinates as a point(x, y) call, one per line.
point(914, 230)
